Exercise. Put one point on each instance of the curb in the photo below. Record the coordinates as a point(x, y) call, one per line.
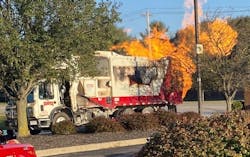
point(89, 147)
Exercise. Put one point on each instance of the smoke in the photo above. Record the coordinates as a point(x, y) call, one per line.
point(127, 30)
point(188, 18)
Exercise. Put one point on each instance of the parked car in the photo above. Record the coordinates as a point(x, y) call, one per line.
point(10, 147)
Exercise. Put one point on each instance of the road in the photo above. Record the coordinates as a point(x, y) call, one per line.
point(207, 108)
point(115, 152)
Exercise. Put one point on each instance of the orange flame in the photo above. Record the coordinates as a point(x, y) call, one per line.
point(182, 65)
point(219, 38)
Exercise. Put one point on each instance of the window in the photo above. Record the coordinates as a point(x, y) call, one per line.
point(102, 65)
point(46, 90)
point(30, 97)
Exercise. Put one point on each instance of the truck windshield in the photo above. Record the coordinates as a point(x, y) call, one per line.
point(102, 66)
point(46, 91)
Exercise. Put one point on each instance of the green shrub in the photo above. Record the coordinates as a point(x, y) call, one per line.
point(237, 105)
point(64, 128)
point(102, 124)
point(219, 135)
point(138, 121)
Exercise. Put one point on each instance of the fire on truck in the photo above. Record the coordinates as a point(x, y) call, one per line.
point(124, 85)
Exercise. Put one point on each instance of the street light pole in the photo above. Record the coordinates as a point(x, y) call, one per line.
point(196, 25)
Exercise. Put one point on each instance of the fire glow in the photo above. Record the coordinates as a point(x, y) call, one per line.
point(218, 38)
point(182, 65)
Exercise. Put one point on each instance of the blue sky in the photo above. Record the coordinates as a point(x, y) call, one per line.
point(171, 12)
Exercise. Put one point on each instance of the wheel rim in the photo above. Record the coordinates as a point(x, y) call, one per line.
point(127, 111)
point(60, 119)
point(147, 110)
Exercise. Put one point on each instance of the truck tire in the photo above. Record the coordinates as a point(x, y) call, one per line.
point(172, 108)
point(147, 110)
point(60, 116)
point(127, 111)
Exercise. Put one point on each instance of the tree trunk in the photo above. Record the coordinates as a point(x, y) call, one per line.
point(23, 130)
point(229, 103)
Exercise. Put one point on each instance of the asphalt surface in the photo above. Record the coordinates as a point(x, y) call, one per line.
point(207, 108)
point(129, 151)
point(90, 147)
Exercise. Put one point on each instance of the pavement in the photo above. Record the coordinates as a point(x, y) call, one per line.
point(90, 147)
point(83, 148)
point(207, 108)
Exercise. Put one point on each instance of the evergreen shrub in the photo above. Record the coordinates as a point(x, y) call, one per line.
point(219, 135)
point(64, 128)
point(102, 124)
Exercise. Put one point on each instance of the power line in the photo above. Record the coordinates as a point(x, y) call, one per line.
point(204, 8)
point(220, 11)
point(182, 11)
point(136, 17)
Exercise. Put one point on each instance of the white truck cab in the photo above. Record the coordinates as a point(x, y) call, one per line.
point(43, 102)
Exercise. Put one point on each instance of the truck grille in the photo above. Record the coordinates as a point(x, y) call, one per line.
point(11, 112)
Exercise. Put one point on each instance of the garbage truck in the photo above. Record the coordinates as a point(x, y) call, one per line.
point(122, 85)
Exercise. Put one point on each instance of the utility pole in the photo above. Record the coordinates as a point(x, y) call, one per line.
point(147, 14)
point(148, 21)
point(198, 50)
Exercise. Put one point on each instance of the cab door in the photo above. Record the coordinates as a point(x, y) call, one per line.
point(48, 95)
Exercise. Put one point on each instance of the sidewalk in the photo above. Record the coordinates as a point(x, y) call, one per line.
point(90, 147)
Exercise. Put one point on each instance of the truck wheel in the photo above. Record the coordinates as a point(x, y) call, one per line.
point(127, 111)
point(172, 108)
point(60, 116)
point(147, 110)
point(117, 113)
